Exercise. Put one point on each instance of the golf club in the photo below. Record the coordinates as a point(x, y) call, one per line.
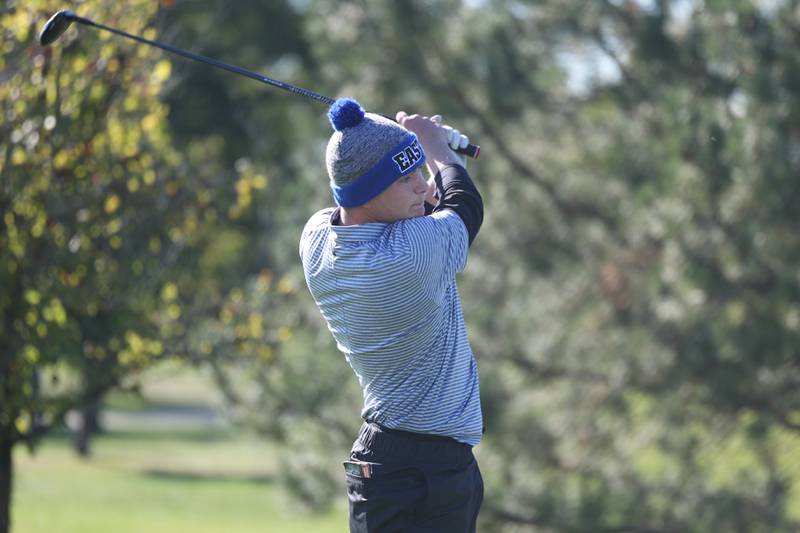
point(61, 21)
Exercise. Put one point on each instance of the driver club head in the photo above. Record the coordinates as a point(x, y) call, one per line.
point(57, 25)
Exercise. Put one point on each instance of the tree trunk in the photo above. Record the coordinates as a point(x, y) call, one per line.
point(89, 425)
point(6, 471)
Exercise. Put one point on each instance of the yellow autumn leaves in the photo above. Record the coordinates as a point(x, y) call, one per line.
point(248, 183)
point(39, 315)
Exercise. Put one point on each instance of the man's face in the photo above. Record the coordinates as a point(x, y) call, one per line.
point(405, 198)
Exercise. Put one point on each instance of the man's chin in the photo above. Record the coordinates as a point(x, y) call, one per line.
point(417, 210)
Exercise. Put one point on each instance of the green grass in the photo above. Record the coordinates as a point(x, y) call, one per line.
point(186, 481)
point(165, 465)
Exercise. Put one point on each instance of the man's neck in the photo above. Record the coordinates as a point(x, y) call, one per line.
point(353, 216)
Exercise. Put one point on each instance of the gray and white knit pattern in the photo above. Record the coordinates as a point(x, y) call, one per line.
point(353, 151)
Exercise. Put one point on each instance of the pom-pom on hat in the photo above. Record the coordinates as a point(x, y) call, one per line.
point(345, 113)
point(366, 153)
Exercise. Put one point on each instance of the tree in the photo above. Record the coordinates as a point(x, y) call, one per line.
point(643, 303)
point(95, 215)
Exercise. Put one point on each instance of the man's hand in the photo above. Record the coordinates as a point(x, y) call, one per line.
point(455, 139)
point(437, 140)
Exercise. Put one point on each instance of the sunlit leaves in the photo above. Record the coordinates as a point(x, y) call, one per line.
point(111, 203)
point(249, 183)
point(33, 297)
point(85, 170)
point(285, 285)
point(138, 351)
point(161, 72)
point(169, 292)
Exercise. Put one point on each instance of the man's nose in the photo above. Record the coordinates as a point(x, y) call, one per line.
point(420, 184)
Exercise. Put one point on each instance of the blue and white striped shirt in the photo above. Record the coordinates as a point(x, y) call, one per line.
point(388, 293)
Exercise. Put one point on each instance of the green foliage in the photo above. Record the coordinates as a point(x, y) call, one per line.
point(665, 279)
point(90, 211)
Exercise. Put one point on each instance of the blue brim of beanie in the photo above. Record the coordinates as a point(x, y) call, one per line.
point(403, 159)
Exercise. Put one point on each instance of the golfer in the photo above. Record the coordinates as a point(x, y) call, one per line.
point(381, 267)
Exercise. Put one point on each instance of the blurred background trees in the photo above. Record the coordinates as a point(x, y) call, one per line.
point(633, 299)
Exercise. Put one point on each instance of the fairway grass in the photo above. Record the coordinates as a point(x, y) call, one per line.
point(168, 463)
point(142, 482)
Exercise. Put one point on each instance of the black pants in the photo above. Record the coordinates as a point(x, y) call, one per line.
point(404, 481)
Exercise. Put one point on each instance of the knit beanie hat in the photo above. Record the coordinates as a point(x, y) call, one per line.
point(367, 153)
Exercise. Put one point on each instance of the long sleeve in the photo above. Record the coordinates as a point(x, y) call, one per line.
point(458, 193)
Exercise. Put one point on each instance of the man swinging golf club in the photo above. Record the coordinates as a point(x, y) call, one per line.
point(381, 267)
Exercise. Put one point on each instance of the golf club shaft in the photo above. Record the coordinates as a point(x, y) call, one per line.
point(210, 61)
point(470, 150)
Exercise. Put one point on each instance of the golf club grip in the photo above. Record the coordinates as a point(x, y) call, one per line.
point(471, 150)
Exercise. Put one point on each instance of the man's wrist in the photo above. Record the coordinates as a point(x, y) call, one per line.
point(440, 163)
